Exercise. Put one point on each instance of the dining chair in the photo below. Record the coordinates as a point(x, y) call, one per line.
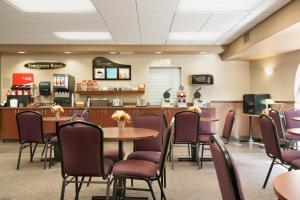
point(226, 133)
point(81, 147)
point(186, 124)
point(149, 149)
point(271, 141)
point(141, 170)
point(289, 122)
point(31, 132)
point(227, 173)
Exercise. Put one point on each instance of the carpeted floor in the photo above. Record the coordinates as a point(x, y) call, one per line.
point(31, 182)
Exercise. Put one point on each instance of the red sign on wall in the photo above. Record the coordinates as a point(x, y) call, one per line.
point(22, 78)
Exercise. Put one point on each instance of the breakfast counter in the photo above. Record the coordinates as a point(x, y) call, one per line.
point(99, 115)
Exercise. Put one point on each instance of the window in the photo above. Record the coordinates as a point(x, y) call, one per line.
point(160, 80)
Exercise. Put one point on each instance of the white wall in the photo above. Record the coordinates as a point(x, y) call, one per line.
point(281, 83)
point(231, 77)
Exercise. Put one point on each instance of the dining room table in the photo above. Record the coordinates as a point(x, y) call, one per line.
point(286, 185)
point(125, 134)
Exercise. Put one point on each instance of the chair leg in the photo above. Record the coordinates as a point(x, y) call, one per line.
point(151, 190)
point(88, 184)
point(197, 154)
point(269, 172)
point(189, 150)
point(43, 151)
point(107, 187)
point(63, 187)
point(202, 151)
point(19, 158)
point(172, 156)
point(46, 151)
point(30, 146)
point(114, 197)
point(162, 193)
point(50, 154)
point(165, 177)
point(76, 188)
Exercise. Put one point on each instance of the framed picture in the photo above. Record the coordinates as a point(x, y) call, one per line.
point(111, 73)
point(124, 73)
point(99, 73)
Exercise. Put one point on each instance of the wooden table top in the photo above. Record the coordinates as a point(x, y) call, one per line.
point(207, 119)
point(54, 119)
point(286, 185)
point(250, 115)
point(296, 118)
point(295, 131)
point(128, 133)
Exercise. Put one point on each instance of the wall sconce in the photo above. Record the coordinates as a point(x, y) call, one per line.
point(268, 71)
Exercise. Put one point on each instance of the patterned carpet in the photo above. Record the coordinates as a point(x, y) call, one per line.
point(184, 182)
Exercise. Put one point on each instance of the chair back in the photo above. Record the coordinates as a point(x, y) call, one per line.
point(30, 126)
point(81, 147)
point(205, 127)
point(151, 121)
point(274, 114)
point(229, 120)
point(288, 118)
point(228, 176)
point(163, 156)
point(186, 126)
point(270, 136)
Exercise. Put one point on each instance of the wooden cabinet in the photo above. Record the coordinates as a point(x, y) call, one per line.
point(9, 128)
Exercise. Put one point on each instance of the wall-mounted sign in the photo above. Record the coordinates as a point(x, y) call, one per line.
point(22, 78)
point(104, 69)
point(45, 65)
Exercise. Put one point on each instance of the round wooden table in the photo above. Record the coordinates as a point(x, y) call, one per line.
point(295, 131)
point(286, 185)
point(57, 120)
point(127, 134)
point(208, 119)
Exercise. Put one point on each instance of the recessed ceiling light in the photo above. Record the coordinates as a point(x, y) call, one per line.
point(67, 52)
point(84, 35)
point(203, 52)
point(21, 52)
point(158, 52)
point(113, 52)
point(218, 5)
point(194, 35)
point(54, 6)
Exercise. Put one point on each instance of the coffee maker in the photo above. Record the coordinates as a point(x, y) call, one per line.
point(63, 87)
point(197, 98)
point(166, 101)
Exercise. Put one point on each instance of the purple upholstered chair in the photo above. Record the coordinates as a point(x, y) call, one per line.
point(186, 125)
point(142, 170)
point(271, 141)
point(30, 128)
point(288, 114)
point(226, 133)
point(227, 173)
point(81, 147)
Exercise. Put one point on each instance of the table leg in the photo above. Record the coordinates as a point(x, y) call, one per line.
point(120, 150)
point(250, 129)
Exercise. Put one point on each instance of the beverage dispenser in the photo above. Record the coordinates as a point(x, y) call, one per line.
point(63, 87)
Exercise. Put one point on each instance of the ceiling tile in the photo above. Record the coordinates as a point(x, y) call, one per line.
point(115, 5)
point(31, 28)
point(195, 21)
point(223, 22)
point(6, 7)
point(47, 17)
point(157, 5)
point(14, 18)
point(149, 19)
point(179, 42)
point(100, 27)
point(78, 18)
point(203, 42)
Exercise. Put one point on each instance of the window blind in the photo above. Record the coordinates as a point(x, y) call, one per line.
point(161, 79)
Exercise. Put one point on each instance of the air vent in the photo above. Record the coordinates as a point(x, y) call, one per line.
point(247, 37)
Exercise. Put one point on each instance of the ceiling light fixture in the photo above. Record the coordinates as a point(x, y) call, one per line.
point(54, 6)
point(21, 52)
point(218, 5)
point(113, 52)
point(203, 52)
point(67, 52)
point(158, 52)
point(84, 35)
point(194, 35)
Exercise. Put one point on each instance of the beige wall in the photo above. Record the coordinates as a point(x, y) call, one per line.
point(231, 77)
point(281, 83)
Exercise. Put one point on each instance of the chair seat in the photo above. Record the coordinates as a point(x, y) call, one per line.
point(112, 154)
point(50, 137)
point(108, 166)
point(289, 156)
point(296, 163)
point(152, 156)
point(290, 136)
point(135, 168)
point(204, 138)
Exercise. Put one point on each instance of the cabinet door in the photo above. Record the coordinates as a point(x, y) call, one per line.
point(9, 124)
point(48, 126)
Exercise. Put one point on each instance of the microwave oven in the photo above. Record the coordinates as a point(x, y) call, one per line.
point(203, 79)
